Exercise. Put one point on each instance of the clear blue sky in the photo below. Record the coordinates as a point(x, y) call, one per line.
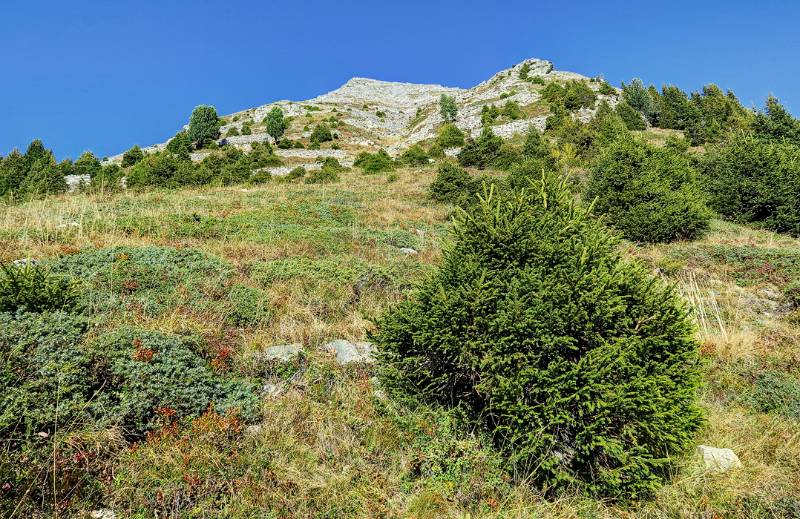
point(103, 75)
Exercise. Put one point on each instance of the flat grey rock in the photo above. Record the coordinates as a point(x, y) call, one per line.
point(718, 460)
point(282, 353)
point(409, 251)
point(347, 353)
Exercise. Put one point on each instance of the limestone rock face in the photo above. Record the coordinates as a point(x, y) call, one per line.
point(395, 115)
point(718, 460)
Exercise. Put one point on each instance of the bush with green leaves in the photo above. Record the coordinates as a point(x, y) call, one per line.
point(32, 288)
point(145, 279)
point(481, 152)
point(162, 169)
point(754, 180)
point(449, 136)
point(512, 111)
point(275, 123)
point(377, 162)
point(637, 96)
point(296, 173)
point(452, 184)
point(414, 156)
point(632, 118)
point(132, 156)
point(327, 174)
point(321, 133)
point(648, 193)
point(572, 95)
point(33, 174)
point(204, 125)
point(448, 108)
point(775, 122)
point(775, 392)
point(180, 144)
point(54, 381)
point(580, 365)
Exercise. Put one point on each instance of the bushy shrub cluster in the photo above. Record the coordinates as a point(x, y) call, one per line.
point(705, 116)
point(452, 184)
point(631, 117)
point(132, 156)
point(31, 288)
point(449, 136)
point(481, 152)
point(32, 174)
point(204, 125)
point(754, 180)
point(448, 108)
point(572, 95)
point(68, 402)
point(146, 279)
point(649, 193)
point(328, 173)
point(321, 133)
point(377, 162)
point(227, 166)
point(414, 156)
point(581, 367)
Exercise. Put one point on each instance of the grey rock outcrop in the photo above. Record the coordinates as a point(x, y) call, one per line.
point(282, 353)
point(718, 460)
point(347, 352)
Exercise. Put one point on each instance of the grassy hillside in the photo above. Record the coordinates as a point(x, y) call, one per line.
point(296, 263)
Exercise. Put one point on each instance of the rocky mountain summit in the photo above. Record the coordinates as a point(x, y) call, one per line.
point(369, 114)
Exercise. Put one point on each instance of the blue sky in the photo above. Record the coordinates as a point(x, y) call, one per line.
point(102, 76)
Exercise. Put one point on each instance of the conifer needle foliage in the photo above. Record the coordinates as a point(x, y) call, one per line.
point(580, 365)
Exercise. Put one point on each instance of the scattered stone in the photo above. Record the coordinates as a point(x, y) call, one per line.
point(68, 224)
point(271, 390)
point(25, 261)
point(718, 460)
point(408, 251)
point(282, 353)
point(347, 353)
point(74, 182)
point(253, 430)
point(103, 513)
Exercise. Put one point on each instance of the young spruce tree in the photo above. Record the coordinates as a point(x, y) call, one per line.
point(580, 365)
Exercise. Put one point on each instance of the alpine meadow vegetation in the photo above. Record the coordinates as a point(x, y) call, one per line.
point(533, 298)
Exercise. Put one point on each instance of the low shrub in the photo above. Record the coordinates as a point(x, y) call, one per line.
point(145, 279)
point(481, 152)
point(30, 288)
point(132, 156)
point(321, 133)
point(775, 392)
point(414, 156)
point(377, 162)
point(325, 175)
point(452, 184)
point(62, 394)
point(572, 95)
point(579, 365)
point(296, 173)
point(449, 136)
point(632, 118)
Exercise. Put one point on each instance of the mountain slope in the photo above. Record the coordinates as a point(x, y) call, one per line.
point(371, 114)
